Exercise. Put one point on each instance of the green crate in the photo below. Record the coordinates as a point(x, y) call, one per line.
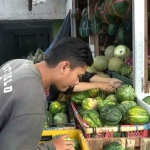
point(123, 79)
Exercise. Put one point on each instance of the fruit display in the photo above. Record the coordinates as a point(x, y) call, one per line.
point(113, 109)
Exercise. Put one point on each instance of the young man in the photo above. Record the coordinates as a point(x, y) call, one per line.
point(22, 94)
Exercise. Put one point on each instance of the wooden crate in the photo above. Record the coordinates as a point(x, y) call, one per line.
point(99, 143)
point(145, 144)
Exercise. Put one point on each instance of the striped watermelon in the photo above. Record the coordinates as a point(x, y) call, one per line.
point(97, 8)
point(120, 8)
point(109, 9)
point(137, 115)
point(106, 17)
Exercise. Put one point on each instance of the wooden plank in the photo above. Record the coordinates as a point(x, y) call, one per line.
point(135, 140)
point(145, 144)
point(146, 49)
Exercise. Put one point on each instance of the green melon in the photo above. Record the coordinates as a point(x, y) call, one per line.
point(110, 115)
point(122, 8)
point(91, 69)
point(113, 146)
point(55, 107)
point(106, 17)
point(109, 51)
point(60, 118)
point(86, 27)
point(114, 63)
point(100, 63)
point(122, 52)
point(97, 8)
point(122, 35)
point(112, 28)
point(96, 25)
point(93, 92)
point(78, 97)
point(125, 93)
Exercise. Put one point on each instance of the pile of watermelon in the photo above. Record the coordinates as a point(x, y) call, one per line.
point(99, 108)
point(56, 114)
point(116, 59)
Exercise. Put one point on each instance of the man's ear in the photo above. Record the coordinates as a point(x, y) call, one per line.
point(64, 66)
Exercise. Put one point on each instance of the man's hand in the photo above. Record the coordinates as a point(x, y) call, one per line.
point(62, 144)
point(106, 86)
point(115, 82)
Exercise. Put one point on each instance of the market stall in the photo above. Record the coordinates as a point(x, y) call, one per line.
point(117, 33)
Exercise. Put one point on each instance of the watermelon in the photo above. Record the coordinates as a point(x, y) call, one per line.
point(92, 118)
point(119, 70)
point(86, 27)
point(96, 25)
point(112, 28)
point(125, 93)
point(49, 118)
point(55, 107)
point(94, 92)
point(122, 8)
point(126, 71)
point(113, 146)
point(82, 34)
point(102, 94)
point(122, 35)
point(78, 97)
point(97, 8)
point(137, 115)
point(122, 52)
point(106, 17)
point(147, 100)
point(110, 115)
point(89, 104)
point(124, 107)
point(60, 118)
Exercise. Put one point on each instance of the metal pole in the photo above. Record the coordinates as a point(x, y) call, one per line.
point(139, 44)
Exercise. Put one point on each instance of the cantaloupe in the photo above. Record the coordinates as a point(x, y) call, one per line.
point(100, 63)
point(114, 63)
point(109, 51)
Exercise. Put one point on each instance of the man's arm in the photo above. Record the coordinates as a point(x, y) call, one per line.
point(83, 86)
point(24, 133)
point(116, 82)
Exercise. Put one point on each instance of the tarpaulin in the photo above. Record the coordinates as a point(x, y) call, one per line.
point(63, 32)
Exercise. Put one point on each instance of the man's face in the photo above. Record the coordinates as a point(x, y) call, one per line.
point(69, 78)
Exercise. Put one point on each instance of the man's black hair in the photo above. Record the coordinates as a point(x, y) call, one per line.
point(71, 49)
